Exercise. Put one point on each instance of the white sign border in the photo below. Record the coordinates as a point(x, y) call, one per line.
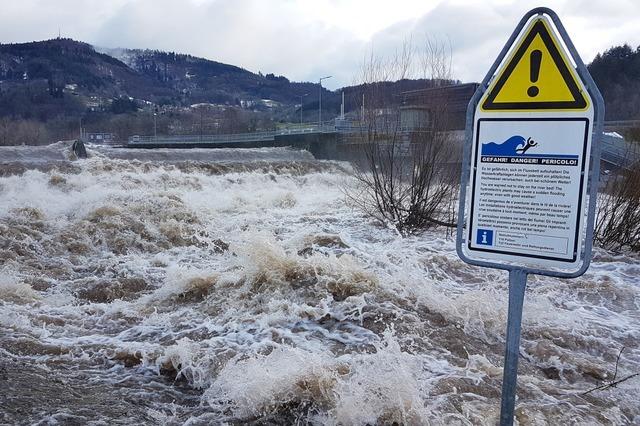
point(593, 170)
point(517, 258)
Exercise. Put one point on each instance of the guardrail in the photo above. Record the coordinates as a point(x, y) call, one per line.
point(615, 150)
point(228, 138)
point(618, 152)
point(190, 139)
point(621, 123)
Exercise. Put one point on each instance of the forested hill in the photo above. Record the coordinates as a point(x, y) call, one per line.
point(209, 81)
point(65, 79)
point(36, 76)
point(617, 74)
point(49, 89)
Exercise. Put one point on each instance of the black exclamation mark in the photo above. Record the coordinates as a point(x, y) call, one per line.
point(534, 72)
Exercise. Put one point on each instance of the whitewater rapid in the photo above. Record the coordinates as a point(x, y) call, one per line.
point(239, 286)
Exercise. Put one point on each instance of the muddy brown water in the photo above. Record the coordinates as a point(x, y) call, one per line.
point(241, 287)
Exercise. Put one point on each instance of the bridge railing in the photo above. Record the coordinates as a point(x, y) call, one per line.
point(621, 124)
point(229, 138)
point(191, 139)
point(618, 152)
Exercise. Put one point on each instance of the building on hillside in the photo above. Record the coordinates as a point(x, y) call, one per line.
point(419, 107)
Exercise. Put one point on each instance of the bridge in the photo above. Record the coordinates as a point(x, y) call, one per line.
point(322, 141)
point(233, 138)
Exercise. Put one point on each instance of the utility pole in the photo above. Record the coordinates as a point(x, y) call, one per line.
point(201, 112)
point(155, 123)
point(301, 96)
point(320, 102)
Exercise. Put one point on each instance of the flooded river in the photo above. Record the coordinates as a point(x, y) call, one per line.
point(238, 286)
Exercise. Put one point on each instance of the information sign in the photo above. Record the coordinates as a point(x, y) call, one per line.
point(530, 169)
point(530, 158)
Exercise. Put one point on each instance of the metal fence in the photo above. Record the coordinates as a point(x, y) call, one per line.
point(621, 124)
point(618, 152)
point(615, 150)
point(230, 138)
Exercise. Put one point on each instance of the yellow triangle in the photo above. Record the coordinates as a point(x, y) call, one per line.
point(538, 76)
point(550, 84)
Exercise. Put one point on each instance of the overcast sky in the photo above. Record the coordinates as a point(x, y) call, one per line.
point(307, 39)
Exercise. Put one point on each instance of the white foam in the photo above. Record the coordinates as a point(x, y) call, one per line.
point(275, 326)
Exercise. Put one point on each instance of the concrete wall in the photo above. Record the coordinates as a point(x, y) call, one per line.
point(323, 146)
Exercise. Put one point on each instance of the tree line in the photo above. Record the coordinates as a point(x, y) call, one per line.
point(617, 74)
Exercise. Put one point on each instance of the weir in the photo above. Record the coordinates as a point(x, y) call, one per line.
point(317, 139)
point(339, 141)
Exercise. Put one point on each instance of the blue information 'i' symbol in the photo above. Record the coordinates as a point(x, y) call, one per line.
point(484, 237)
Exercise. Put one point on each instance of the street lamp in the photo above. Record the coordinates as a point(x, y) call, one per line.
point(320, 101)
point(155, 123)
point(302, 96)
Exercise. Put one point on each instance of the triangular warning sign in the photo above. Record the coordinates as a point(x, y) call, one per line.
point(538, 76)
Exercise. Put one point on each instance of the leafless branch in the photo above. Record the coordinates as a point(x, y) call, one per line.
point(405, 181)
point(618, 213)
point(613, 382)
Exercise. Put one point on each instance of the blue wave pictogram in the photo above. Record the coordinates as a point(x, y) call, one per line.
point(510, 147)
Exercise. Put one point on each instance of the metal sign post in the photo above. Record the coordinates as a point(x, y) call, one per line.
point(531, 167)
point(517, 285)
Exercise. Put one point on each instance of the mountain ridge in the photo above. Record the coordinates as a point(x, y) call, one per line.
point(149, 75)
point(51, 88)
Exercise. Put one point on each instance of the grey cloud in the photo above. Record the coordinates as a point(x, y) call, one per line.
point(239, 32)
point(282, 37)
point(476, 35)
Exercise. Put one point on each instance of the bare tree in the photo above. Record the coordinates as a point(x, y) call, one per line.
point(22, 132)
point(618, 212)
point(436, 60)
point(405, 181)
point(5, 131)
